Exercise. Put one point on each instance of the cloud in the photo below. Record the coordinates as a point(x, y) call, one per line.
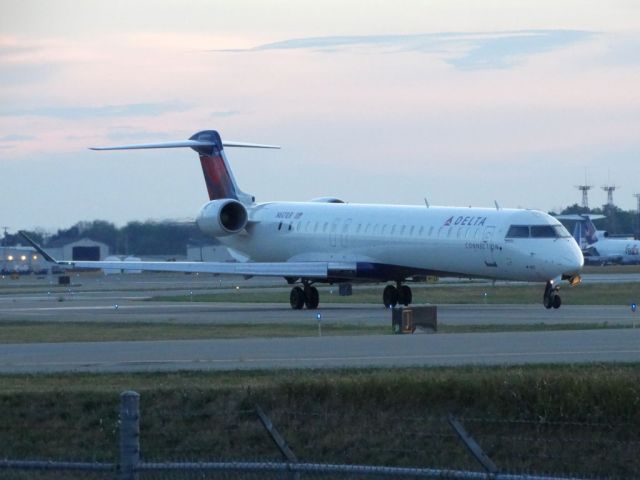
point(132, 133)
point(12, 50)
point(225, 113)
point(461, 50)
point(74, 113)
point(17, 138)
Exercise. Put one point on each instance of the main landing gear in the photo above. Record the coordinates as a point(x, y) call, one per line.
point(307, 296)
point(392, 296)
point(551, 297)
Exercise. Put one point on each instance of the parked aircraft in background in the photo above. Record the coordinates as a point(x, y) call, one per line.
point(327, 240)
point(598, 248)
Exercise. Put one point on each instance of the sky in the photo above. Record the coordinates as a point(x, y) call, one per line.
point(460, 102)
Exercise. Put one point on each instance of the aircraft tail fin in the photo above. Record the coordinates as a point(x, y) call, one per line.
point(584, 230)
point(215, 167)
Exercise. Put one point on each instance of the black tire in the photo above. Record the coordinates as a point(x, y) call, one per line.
point(547, 301)
point(390, 296)
point(557, 301)
point(296, 298)
point(405, 296)
point(311, 298)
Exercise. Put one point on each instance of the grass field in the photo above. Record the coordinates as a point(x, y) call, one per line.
point(582, 420)
point(48, 332)
point(591, 294)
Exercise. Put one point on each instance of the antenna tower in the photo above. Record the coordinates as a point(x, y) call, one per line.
point(609, 189)
point(585, 195)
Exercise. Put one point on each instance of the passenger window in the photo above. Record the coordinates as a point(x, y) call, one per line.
point(384, 229)
point(460, 231)
point(315, 229)
point(430, 230)
point(402, 230)
point(375, 229)
point(326, 225)
point(393, 229)
point(358, 229)
point(366, 230)
point(412, 229)
point(518, 231)
point(421, 231)
point(280, 226)
point(450, 232)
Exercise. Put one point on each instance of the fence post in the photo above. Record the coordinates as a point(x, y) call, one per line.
point(129, 435)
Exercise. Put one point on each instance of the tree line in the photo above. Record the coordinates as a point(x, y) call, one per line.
point(617, 221)
point(135, 238)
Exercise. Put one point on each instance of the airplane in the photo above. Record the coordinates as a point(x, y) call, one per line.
point(326, 240)
point(597, 246)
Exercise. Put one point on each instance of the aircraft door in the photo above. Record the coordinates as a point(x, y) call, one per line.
point(489, 247)
point(344, 235)
point(334, 233)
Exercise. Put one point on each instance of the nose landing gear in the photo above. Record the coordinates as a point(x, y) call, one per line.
point(551, 298)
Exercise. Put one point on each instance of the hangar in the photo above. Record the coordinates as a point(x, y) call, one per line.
point(82, 249)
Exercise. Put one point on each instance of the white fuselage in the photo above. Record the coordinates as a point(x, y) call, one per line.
point(617, 250)
point(388, 242)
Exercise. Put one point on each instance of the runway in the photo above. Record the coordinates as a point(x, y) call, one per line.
point(392, 351)
point(120, 300)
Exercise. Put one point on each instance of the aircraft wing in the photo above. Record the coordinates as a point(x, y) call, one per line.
point(273, 269)
point(320, 270)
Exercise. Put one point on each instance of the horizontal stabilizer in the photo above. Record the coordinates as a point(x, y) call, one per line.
point(195, 144)
point(579, 217)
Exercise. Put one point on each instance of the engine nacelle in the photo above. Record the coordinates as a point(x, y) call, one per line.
point(222, 217)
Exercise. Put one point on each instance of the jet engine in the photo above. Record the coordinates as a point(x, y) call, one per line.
point(222, 217)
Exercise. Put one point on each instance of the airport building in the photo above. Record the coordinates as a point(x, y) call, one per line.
point(83, 249)
point(21, 260)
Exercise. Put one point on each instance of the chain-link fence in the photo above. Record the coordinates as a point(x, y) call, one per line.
point(200, 442)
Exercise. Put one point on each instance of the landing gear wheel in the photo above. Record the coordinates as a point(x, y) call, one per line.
point(296, 298)
point(390, 296)
point(311, 297)
point(404, 295)
point(551, 298)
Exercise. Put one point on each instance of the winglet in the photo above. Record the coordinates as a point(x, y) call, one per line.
point(38, 248)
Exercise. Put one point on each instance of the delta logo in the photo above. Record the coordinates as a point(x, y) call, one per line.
point(465, 221)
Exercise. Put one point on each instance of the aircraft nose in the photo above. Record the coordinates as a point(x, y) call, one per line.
point(566, 260)
point(572, 260)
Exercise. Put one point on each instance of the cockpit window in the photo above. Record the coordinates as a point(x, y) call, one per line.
point(518, 231)
point(542, 231)
point(561, 231)
point(537, 231)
